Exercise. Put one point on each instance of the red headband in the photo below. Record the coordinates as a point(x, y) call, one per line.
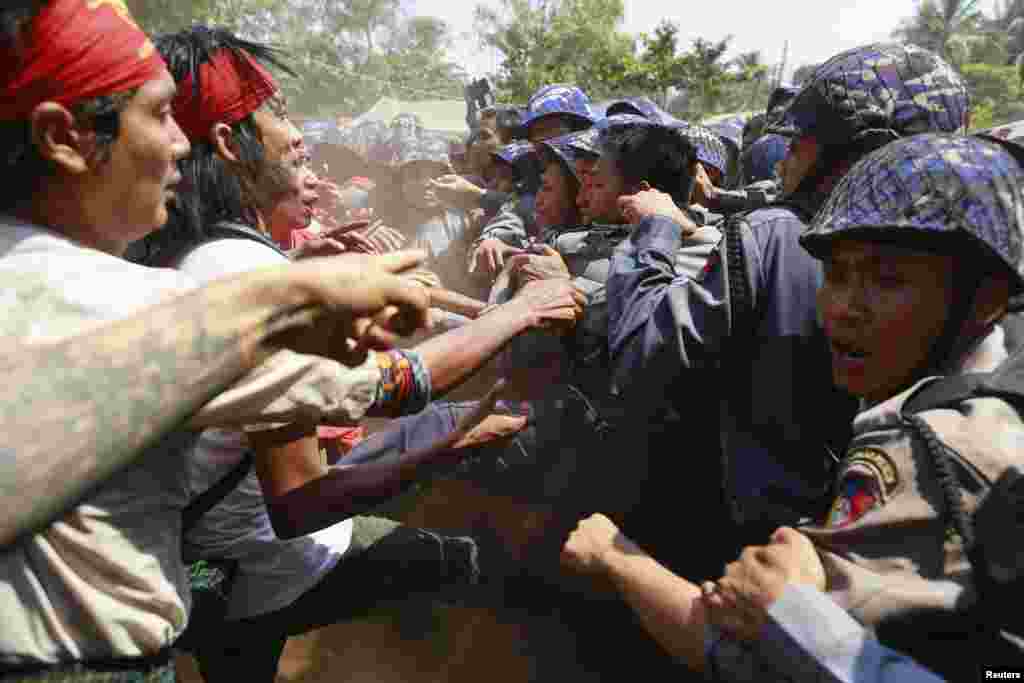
point(76, 50)
point(232, 85)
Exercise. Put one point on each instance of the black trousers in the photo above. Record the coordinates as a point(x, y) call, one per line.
point(387, 562)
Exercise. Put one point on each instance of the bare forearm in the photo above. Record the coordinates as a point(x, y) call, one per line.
point(669, 606)
point(452, 357)
point(453, 302)
point(345, 491)
point(77, 411)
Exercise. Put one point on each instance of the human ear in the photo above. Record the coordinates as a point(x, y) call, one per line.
point(59, 139)
point(224, 142)
point(990, 301)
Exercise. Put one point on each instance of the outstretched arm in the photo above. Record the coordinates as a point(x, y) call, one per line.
point(302, 499)
point(669, 607)
point(75, 411)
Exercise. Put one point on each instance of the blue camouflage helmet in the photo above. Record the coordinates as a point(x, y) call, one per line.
point(780, 98)
point(730, 130)
point(433, 150)
point(760, 158)
point(638, 106)
point(883, 90)
point(617, 120)
point(950, 193)
point(520, 155)
point(511, 153)
point(585, 143)
point(562, 150)
point(567, 100)
point(711, 151)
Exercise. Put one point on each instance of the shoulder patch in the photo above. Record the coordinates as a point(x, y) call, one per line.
point(867, 478)
point(713, 262)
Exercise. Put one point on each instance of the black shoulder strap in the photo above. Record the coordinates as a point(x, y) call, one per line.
point(741, 294)
point(945, 392)
point(209, 498)
point(1005, 382)
point(229, 230)
point(168, 256)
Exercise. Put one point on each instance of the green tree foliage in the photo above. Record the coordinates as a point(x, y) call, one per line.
point(558, 41)
point(996, 94)
point(347, 53)
point(949, 27)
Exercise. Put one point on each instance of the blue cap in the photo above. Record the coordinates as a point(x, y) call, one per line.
point(710, 148)
point(638, 106)
point(760, 158)
point(566, 100)
point(562, 149)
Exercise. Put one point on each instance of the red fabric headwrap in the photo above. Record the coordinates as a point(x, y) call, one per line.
point(76, 50)
point(232, 85)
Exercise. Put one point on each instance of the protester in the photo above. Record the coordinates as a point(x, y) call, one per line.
point(87, 121)
point(934, 262)
point(61, 379)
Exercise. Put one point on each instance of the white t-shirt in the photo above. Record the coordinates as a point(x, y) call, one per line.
point(273, 572)
point(107, 579)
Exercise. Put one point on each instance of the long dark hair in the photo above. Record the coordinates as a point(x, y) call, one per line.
point(211, 190)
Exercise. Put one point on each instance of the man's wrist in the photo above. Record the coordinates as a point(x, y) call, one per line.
point(621, 548)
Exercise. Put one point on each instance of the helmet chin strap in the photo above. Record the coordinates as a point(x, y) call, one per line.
point(950, 346)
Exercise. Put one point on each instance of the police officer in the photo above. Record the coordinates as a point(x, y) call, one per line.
point(552, 111)
point(753, 314)
point(923, 252)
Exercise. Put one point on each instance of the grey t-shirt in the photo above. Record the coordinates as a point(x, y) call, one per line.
point(107, 579)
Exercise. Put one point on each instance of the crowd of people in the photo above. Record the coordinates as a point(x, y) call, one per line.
point(757, 389)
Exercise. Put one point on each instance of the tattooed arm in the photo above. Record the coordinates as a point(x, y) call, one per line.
point(74, 412)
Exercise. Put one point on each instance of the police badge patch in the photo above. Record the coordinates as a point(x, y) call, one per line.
point(867, 479)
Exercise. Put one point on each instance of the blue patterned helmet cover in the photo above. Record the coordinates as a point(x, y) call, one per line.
point(558, 99)
point(710, 148)
point(900, 89)
point(427, 149)
point(930, 187)
point(730, 130)
point(781, 96)
point(510, 153)
point(617, 120)
point(522, 155)
point(561, 149)
point(638, 106)
point(585, 143)
point(760, 158)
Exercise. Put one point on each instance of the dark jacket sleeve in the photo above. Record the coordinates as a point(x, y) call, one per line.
point(492, 201)
point(512, 225)
point(667, 305)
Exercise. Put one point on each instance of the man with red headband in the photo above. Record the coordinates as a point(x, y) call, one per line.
point(246, 164)
point(85, 121)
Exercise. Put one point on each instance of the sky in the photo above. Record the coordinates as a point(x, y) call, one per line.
point(816, 29)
